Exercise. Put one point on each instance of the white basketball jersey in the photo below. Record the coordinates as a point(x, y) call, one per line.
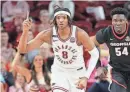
point(67, 54)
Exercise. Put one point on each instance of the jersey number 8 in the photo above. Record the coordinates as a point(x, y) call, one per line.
point(65, 54)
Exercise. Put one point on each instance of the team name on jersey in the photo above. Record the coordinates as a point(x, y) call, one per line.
point(120, 44)
point(66, 47)
point(66, 62)
point(67, 54)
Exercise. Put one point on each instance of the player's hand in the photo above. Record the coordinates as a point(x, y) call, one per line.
point(27, 23)
point(82, 83)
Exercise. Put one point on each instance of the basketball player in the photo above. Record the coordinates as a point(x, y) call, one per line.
point(68, 70)
point(117, 38)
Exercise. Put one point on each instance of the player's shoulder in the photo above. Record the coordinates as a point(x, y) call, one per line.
point(80, 31)
point(104, 31)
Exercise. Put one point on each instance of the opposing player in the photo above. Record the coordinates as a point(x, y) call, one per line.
point(117, 38)
point(68, 70)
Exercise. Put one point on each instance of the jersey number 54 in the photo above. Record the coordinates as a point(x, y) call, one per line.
point(120, 52)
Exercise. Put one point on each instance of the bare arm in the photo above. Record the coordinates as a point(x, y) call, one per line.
point(93, 38)
point(22, 70)
point(85, 40)
point(90, 47)
point(23, 47)
point(42, 37)
point(39, 40)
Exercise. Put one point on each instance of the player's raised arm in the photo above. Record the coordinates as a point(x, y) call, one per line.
point(23, 46)
point(23, 40)
point(91, 48)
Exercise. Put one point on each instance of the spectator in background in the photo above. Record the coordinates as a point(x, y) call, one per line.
point(6, 77)
point(18, 20)
point(20, 84)
point(14, 24)
point(3, 84)
point(127, 6)
point(45, 21)
point(38, 74)
point(62, 3)
point(6, 48)
point(101, 84)
point(45, 50)
point(48, 55)
point(10, 8)
point(98, 12)
point(81, 13)
point(4, 38)
point(35, 27)
point(17, 29)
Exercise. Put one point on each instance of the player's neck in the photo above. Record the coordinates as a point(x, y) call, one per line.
point(64, 31)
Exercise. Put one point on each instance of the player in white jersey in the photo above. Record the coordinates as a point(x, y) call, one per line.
point(68, 70)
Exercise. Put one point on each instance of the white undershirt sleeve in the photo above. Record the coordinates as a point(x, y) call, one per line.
point(93, 61)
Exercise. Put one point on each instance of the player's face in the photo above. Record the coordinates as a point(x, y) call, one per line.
point(62, 21)
point(38, 61)
point(119, 22)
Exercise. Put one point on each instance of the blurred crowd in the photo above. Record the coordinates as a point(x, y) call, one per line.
point(89, 15)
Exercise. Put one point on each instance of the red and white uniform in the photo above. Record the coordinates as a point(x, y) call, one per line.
point(68, 64)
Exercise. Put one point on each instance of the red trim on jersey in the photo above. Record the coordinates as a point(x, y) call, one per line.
point(119, 83)
point(63, 40)
point(60, 88)
point(113, 80)
point(113, 31)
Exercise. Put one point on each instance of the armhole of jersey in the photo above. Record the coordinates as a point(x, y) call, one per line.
point(54, 31)
point(76, 36)
point(73, 31)
point(53, 34)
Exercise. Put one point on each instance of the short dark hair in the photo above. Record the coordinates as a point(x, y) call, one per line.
point(119, 10)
